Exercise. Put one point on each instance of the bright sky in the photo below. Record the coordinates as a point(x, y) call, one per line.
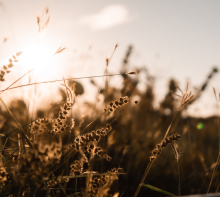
point(179, 39)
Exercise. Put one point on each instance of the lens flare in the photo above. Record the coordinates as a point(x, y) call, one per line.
point(200, 125)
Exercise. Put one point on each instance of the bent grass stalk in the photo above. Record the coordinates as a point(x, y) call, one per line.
point(152, 161)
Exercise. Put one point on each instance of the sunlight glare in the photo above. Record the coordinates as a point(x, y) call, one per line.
point(36, 56)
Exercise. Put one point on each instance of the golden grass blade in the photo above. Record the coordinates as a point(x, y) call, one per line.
point(158, 190)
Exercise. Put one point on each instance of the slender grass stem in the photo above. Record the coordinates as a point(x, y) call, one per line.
point(53, 81)
point(190, 146)
point(9, 87)
point(105, 74)
point(217, 162)
point(177, 163)
point(144, 176)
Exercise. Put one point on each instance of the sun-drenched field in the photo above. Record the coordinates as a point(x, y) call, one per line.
point(122, 146)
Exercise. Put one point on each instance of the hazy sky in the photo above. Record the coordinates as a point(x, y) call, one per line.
point(172, 38)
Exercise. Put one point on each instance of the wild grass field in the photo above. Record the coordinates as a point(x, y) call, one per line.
point(125, 147)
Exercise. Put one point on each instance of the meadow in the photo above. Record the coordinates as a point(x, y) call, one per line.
point(125, 147)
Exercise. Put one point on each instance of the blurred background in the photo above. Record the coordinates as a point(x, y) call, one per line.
point(167, 42)
point(169, 39)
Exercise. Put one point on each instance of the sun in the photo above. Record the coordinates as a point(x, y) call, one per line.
point(37, 56)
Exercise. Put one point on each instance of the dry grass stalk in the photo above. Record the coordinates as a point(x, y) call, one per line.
point(10, 88)
point(176, 150)
point(108, 60)
point(19, 150)
point(35, 162)
point(59, 124)
point(94, 136)
point(6, 69)
point(117, 103)
point(185, 98)
point(159, 147)
point(154, 154)
point(43, 21)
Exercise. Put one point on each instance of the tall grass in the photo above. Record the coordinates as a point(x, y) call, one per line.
point(106, 152)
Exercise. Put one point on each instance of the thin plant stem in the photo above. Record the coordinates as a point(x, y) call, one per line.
point(170, 125)
point(217, 162)
point(5, 142)
point(179, 178)
point(144, 176)
point(86, 77)
point(19, 150)
point(190, 146)
point(9, 87)
point(105, 74)
point(217, 188)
